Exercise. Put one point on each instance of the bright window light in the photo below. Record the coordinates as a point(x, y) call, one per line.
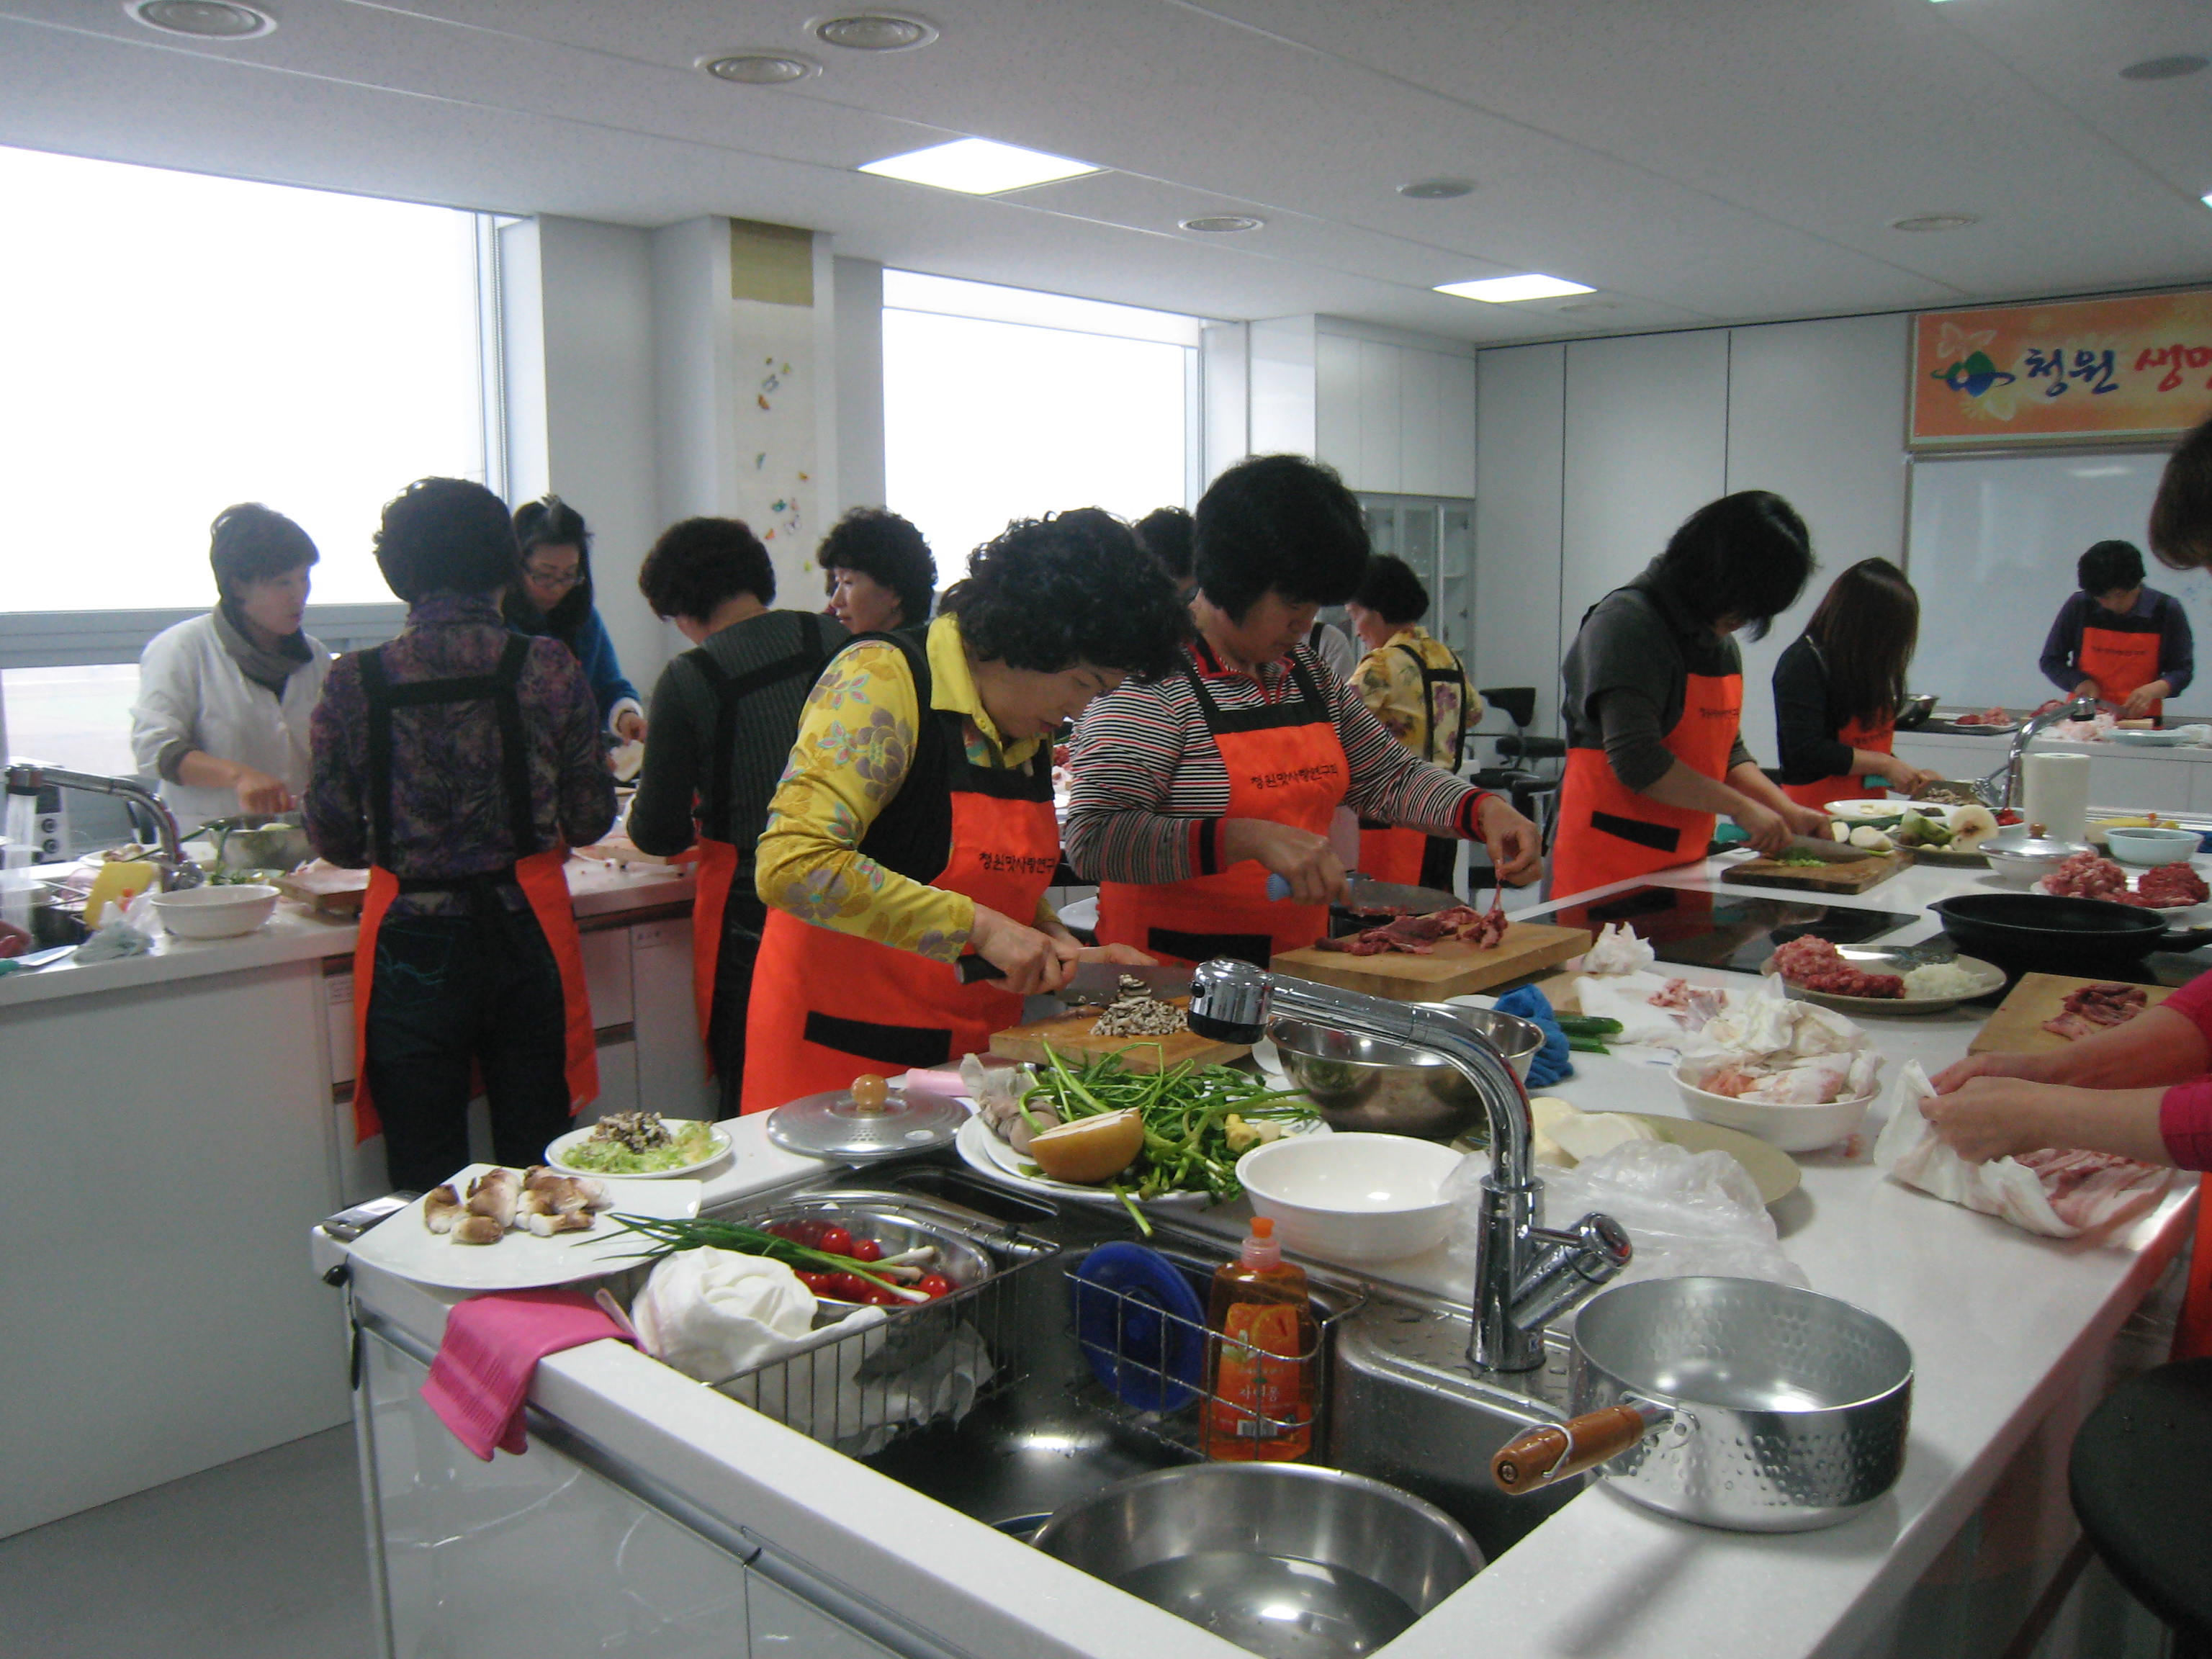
point(979, 166)
point(1502, 290)
point(2207, 200)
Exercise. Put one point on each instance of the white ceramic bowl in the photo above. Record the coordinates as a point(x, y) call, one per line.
point(1351, 1198)
point(2019, 869)
point(1792, 1128)
point(2153, 846)
point(217, 912)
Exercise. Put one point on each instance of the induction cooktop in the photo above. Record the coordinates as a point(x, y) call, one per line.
point(1736, 931)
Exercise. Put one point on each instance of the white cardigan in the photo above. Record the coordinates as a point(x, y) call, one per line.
point(190, 687)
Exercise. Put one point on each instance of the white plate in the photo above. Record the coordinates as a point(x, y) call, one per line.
point(522, 1261)
point(982, 1150)
point(555, 1151)
point(2146, 739)
point(1988, 976)
point(1869, 812)
point(2135, 881)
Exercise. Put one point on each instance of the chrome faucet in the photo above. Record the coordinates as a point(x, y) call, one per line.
point(2082, 708)
point(177, 872)
point(1526, 1274)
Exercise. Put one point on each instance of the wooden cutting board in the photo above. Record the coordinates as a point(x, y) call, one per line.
point(1855, 877)
point(329, 889)
point(1454, 969)
point(1071, 1038)
point(2016, 1027)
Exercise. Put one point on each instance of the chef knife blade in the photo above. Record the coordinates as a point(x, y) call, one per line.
point(1363, 894)
point(1828, 852)
point(1093, 983)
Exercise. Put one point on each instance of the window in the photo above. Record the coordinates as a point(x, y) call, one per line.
point(1003, 404)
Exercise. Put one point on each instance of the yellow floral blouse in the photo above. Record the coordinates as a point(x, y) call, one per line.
point(856, 740)
point(1389, 683)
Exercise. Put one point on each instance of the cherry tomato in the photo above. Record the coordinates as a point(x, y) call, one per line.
point(817, 1283)
point(850, 1287)
point(934, 1286)
point(865, 1250)
point(833, 1241)
point(882, 1297)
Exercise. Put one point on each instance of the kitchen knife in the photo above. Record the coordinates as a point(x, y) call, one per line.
point(1828, 852)
point(1094, 984)
point(1366, 895)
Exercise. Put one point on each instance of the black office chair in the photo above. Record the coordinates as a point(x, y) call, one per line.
point(1534, 792)
point(2141, 1477)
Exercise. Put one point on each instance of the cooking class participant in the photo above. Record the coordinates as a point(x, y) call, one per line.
point(224, 699)
point(725, 715)
point(459, 763)
point(2117, 640)
point(1417, 688)
point(1190, 790)
point(554, 598)
point(881, 573)
point(1654, 690)
point(1165, 533)
point(915, 821)
point(1839, 687)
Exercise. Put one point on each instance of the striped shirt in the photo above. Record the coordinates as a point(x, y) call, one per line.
point(1150, 789)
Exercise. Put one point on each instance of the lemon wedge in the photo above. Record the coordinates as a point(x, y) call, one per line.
point(1091, 1150)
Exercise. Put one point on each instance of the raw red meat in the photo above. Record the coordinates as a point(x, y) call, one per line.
point(1418, 936)
point(2172, 883)
point(1814, 963)
point(2087, 876)
point(1987, 717)
point(2080, 1185)
point(2095, 1008)
point(1673, 995)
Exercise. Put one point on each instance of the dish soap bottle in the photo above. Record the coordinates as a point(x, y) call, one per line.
point(1259, 1404)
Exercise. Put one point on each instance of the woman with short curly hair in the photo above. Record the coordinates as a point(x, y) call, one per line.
point(915, 825)
point(881, 572)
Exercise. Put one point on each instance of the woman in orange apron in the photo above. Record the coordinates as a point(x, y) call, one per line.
point(723, 716)
point(915, 826)
point(1838, 688)
point(2119, 641)
point(457, 762)
point(1654, 696)
point(1190, 790)
point(1416, 686)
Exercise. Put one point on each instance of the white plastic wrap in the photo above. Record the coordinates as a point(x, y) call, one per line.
point(1793, 1053)
point(128, 932)
point(1685, 1213)
point(1627, 998)
point(1617, 950)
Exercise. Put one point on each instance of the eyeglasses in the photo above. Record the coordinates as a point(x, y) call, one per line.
point(553, 578)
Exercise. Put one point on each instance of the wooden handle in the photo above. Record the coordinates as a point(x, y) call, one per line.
point(1558, 1451)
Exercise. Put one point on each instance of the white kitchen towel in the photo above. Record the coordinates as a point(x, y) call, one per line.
point(711, 1314)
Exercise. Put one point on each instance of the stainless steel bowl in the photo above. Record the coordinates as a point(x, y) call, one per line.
point(2022, 860)
point(1283, 1559)
point(1364, 1084)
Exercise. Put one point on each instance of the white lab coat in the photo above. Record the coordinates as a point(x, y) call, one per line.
point(190, 687)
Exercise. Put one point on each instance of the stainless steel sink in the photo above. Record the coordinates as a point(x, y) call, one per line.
point(1402, 1403)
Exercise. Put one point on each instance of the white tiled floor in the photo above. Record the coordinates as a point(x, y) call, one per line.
point(263, 1558)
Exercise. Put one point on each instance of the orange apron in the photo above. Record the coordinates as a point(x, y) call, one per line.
point(1287, 765)
point(2192, 1332)
point(541, 875)
point(1608, 832)
point(1859, 734)
point(1414, 857)
point(2119, 660)
point(827, 1006)
point(720, 857)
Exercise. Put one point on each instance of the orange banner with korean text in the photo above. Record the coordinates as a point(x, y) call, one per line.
point(2083, 371)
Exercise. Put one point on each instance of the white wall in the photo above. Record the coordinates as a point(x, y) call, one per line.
point(1520, 444)
point(858, 329)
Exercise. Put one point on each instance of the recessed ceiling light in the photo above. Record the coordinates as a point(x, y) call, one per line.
point(979, 166)
point(1928, 221)
point(875, 31)
point(2164, 69)
point(1222, 224)
point(1502, 291)
point(211, 19)
point(761, 69)
point(1437, 190)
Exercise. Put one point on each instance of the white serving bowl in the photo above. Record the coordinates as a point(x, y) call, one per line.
point(2150, 846)
point(1792, 1128)
point(1351, 1198)
point(2021, 862)
point(217, 912)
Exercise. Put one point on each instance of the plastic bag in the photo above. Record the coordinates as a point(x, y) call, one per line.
point(129, 932)
point(1685, 1213)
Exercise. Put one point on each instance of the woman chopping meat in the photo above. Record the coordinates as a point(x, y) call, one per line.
point(2117, 640)
point(1837, 689)
point(914, 825)
point(1655, 694)
point(1191, 790)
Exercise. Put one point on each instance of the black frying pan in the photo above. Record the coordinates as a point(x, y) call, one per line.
point(2033, 933)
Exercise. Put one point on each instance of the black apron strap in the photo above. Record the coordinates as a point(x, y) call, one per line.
point(501, 687)
point(1309, 708)
point(376, 687)
point(1431, 679)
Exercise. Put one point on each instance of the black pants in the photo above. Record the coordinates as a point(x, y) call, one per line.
point(454, 995)
point(743, 919)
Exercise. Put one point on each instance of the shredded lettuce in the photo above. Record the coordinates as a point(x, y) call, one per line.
point(693, 1143)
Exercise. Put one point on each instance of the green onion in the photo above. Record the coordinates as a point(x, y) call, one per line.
point(670, 1236)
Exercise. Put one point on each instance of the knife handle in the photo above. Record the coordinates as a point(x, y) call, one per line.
point(1279, 887)
point(972, 967)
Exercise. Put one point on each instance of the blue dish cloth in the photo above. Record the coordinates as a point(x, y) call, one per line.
point(1552, 1062)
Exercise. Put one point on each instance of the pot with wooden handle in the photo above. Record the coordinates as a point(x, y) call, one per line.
point(1731, 1403)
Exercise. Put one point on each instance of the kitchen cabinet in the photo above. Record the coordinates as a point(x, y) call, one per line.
point(1393, 412)
point(672, 1063)
point(1436, 539)
point(784, 1627)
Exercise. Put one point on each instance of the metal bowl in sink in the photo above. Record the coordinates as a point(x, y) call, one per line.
point(1283, 1559)
point(1363, 1083)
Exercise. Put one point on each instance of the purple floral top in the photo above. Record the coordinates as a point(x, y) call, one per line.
point(449, 815)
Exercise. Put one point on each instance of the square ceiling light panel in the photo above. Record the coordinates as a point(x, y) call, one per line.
point(1502, 291)
point(979, 166)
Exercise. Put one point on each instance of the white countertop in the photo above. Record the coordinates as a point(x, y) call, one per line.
point(298, 933)
point(2000, 1323)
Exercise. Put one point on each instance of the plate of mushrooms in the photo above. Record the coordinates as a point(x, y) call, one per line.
point(491, 1228)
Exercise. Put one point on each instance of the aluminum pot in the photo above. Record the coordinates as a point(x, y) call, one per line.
point(1364, 1085)
point(1285, 1560)
point(1731, 1403)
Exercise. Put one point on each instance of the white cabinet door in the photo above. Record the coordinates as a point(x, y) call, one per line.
point(1337, 438)
point(1456, 418)
point(1381, 427)
point(784, 1627)
point(671, 1061)
point(1420, 421)
point(605, 952)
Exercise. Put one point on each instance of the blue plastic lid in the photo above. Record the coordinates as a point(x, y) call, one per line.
point(1141, 1326)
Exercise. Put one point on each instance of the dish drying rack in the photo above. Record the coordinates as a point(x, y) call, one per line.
point(920, 1364)
point(1158, 1360)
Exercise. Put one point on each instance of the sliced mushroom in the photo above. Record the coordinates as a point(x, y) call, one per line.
point(441, 1208)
